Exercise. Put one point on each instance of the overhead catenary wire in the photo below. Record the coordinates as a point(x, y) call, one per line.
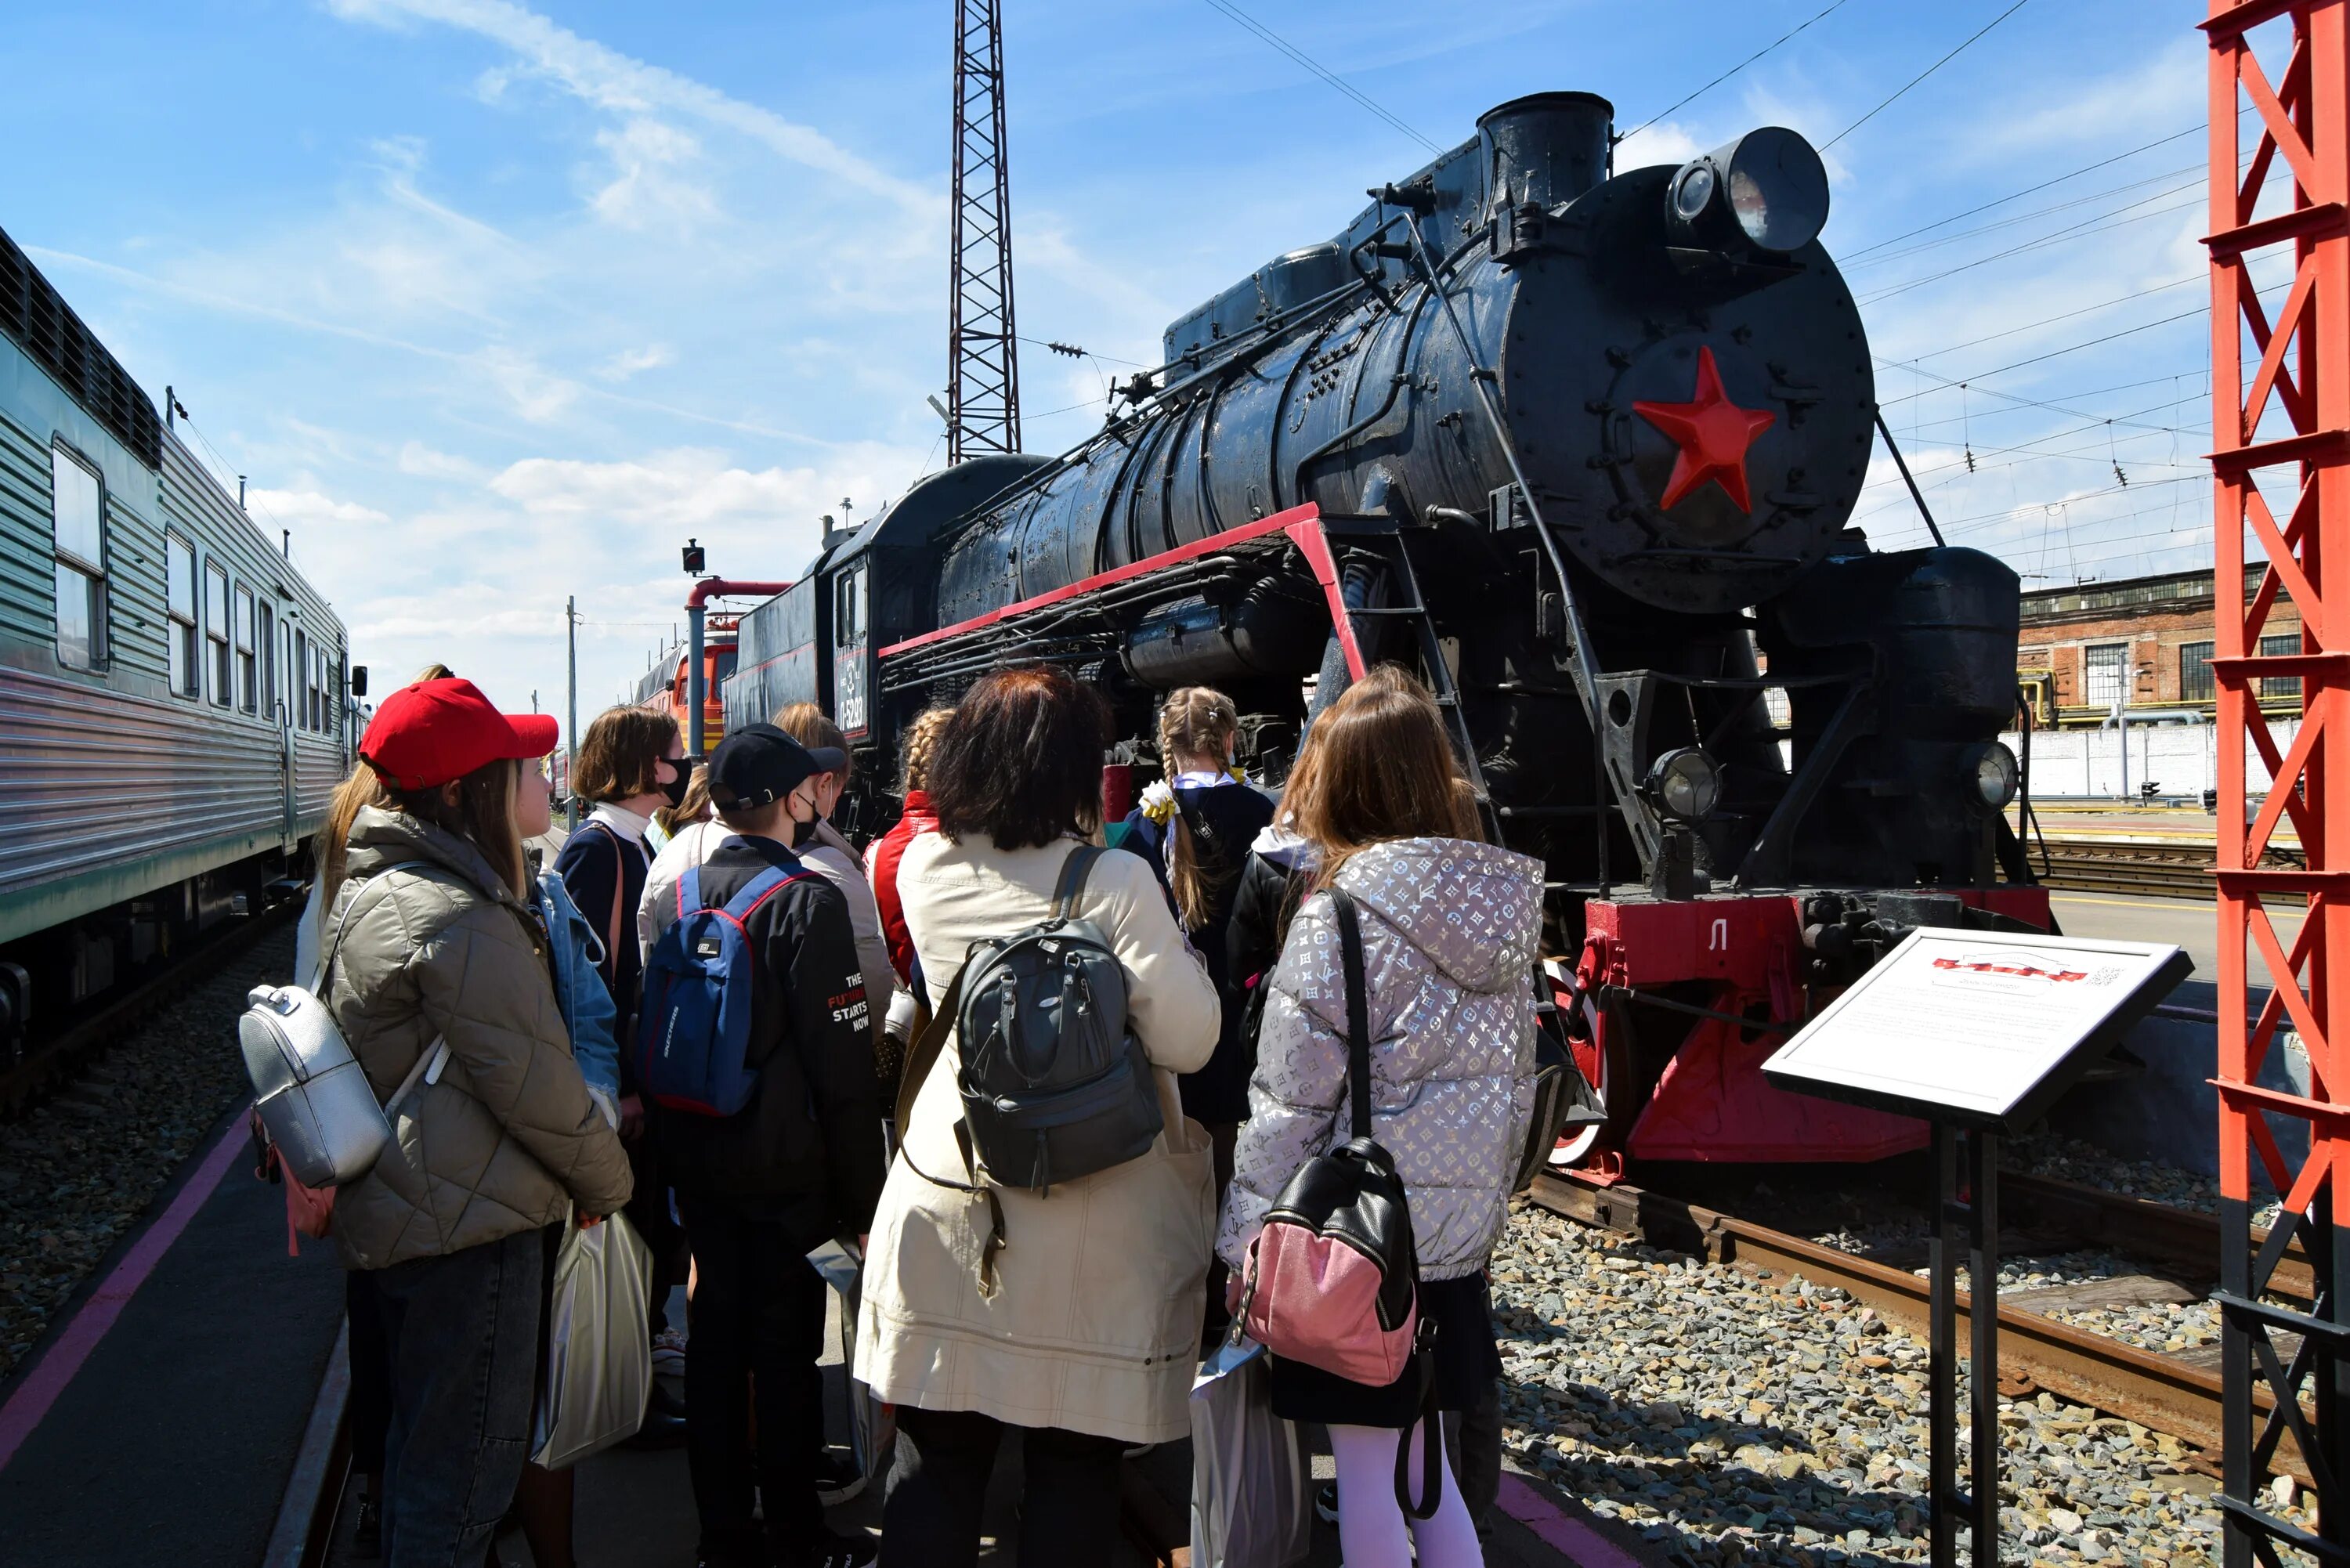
point(1949, 381)
point(1732, 71)
point(1920, 77)
point(1850, 256)
point(2103, 223)
point(2178, 180)
point(1065, 347)
point(1331, 76)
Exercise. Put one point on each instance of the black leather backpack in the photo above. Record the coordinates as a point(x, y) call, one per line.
point(1054, 1085)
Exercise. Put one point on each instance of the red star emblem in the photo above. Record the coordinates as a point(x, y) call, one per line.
point(1714, 433)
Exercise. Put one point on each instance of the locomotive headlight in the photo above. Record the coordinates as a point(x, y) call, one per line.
point(1996, 776)
point(1767, 191)
point(1684, 786)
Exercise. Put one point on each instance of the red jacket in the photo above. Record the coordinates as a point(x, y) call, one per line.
point(881, 867)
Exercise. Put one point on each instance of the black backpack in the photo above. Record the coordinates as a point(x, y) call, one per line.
point(1054, 1087)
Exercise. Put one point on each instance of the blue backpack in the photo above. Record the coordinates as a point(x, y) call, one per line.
point(694, 1028)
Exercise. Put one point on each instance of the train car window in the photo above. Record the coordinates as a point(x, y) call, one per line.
point(844, 610)
point(248, 666)
point(216, 613)
point(267, 645)
point(180, 604)
point(282, 687)
point(78, 505)
point(295, 675)
point(317, 677)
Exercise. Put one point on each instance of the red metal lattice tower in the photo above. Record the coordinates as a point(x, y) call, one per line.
point(982, 352)
point(2288, 421)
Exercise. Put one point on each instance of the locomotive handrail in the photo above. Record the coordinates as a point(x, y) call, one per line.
point(1586, 670)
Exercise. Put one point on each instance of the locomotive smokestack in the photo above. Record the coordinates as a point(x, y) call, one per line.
point(1545, 148)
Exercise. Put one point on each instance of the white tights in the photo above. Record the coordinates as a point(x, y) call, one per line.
point(1372, 1529)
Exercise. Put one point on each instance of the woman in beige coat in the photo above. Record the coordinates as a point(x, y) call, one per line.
point(1086, 1331)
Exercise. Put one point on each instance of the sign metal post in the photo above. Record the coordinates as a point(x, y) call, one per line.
point(1978, 1033)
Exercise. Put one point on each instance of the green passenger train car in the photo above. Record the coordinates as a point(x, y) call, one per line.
point(173, 708)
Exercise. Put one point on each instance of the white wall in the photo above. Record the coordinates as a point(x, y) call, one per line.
point(2181, 758)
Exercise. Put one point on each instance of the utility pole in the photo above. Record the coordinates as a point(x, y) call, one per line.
point(983, 350)
point(571, 747)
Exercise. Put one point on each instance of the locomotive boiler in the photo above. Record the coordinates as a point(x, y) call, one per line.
point(1582, 447)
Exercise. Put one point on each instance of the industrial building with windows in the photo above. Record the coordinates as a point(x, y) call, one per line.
point(2143, 645)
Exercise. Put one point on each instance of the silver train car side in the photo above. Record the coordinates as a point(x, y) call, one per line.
point(173, 716)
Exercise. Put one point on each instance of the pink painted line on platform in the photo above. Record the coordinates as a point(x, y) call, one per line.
point(1584, 1546)
point(41, 1387)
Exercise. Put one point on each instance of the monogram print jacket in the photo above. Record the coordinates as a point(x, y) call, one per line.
point(1449, 935)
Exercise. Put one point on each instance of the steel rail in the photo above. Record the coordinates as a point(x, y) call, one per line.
point(2141, 1228)
point(2160, 1392)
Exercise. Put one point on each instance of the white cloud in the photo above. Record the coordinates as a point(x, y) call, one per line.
point(630, 362)
point(308, 506)
point(649, 184)
point(1664, 142)
point(686, 488)
point(2146, 98)
point(536, 394)
point(613, 81)
point(422, 462)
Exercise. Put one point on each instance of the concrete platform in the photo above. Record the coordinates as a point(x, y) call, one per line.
point(158, 1420)
point(635, 1510)
point(2190, 924)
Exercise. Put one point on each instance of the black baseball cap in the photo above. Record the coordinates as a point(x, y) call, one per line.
point(759, 763)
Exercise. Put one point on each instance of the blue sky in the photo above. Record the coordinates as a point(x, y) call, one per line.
point(501, 301)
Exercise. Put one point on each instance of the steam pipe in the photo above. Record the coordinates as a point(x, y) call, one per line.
point(696, 694)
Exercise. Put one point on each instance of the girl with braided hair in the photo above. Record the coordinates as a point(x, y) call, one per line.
point(1194, 826)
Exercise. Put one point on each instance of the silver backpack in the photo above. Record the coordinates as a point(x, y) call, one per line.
point(312, 1095)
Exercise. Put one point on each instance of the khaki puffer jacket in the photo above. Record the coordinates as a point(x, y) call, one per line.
point(1449, 933)
point(507, 1139)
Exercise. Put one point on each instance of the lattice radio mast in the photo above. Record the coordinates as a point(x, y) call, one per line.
point(982, 354)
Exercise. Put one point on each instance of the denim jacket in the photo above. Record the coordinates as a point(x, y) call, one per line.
point(577, 948)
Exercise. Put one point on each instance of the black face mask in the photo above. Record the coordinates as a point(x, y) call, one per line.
point(674, 790)
point(804, 831)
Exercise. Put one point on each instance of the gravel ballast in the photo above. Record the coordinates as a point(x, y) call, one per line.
point(1734, 1420)
point(81, 1168)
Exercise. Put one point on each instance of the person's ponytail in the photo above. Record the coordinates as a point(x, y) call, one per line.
point(1195, 722)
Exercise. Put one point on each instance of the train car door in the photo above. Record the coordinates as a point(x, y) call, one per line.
point(850, 696)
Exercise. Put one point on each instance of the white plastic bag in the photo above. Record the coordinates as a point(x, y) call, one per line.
point(1248, 1474)
point(600, 1355)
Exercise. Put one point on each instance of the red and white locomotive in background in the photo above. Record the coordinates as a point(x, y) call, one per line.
point(1580, 446)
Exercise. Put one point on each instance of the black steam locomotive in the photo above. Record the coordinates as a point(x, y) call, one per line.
point(1582, 448)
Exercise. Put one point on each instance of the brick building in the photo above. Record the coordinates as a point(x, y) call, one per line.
point(2145, 642)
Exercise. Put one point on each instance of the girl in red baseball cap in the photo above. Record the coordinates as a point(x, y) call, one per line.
point(432, 952)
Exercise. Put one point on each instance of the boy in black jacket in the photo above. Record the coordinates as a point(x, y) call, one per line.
point(800, 1164)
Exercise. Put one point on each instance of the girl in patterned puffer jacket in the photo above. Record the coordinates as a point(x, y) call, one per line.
point(1449, 929)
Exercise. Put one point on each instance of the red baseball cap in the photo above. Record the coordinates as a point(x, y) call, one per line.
point(426, 735)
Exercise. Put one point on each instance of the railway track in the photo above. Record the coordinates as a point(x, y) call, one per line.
point(52, 1061)
point(2178, 1395)
point(2172, 870)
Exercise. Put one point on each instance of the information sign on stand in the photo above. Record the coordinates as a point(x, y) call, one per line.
point(1978, 1033)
